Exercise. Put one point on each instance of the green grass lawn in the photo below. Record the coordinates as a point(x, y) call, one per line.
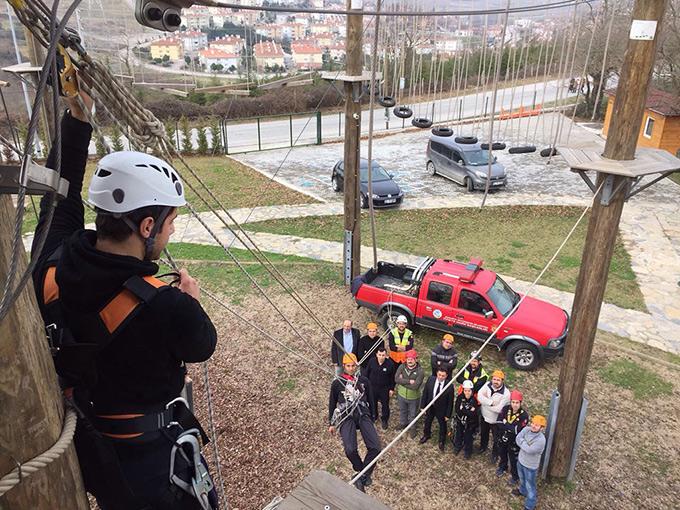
point(234, 184)
point(516, 241)
point(675, 177)
point(212, 266)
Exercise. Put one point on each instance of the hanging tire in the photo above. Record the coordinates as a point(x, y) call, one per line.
point(421, 122)
point(522, 355)
point(496, 146)
point(432, 170)
point(466, 140)
point(403, 112)
point(387, 101)
point(336, 184)
point(442, 131)
point(469, 184)
point(550, 151)
point(522, 150)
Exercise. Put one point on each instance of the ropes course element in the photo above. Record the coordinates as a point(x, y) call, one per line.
point(16, 476)
point(415, 13)
point(493, 104)
point(484, 345)
point(604, 64)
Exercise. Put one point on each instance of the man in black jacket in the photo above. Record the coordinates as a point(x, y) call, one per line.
point(349, 409)
point(121, 355)
point(380, 373)
point(441, 409)
point(348, 337)
point(474, 372)
point(369, 343)
point(444, 356)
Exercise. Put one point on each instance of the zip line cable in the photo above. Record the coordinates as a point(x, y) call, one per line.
point(486, 342)
point(418, 13)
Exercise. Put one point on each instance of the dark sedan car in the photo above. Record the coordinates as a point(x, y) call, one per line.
point(386, 192)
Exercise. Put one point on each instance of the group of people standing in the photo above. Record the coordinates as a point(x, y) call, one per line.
point(369, 375)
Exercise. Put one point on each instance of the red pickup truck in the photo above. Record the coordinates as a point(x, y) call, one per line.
point(468, 301)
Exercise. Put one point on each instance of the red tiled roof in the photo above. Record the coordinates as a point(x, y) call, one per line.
point(305, 48)
point(213, 53)
point(268, 49)
point(166, 42)
point(658, 101)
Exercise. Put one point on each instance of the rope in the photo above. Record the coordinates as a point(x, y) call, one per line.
point(486, 342)
point(604, 63)
point(493, 103)
point(16, 476)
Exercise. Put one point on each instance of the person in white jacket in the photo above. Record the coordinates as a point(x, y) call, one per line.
point(493, 396)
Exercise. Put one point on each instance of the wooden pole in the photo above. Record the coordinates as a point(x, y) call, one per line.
point(354, 67)
point(30, 400)
point(602, 230)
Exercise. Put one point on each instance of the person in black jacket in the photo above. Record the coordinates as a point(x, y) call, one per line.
point(474, 372)
point(138, 366)
point(511, 420)
point(380, 372)
point(467, 420)
point(348, 337)
point(369, 343)
point(349, 409)
point(444, 356)
point(441, 409)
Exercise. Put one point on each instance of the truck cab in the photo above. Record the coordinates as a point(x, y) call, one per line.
point(468, 301)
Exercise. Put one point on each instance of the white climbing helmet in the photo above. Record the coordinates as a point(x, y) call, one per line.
point(127, 180)
point(402, 318)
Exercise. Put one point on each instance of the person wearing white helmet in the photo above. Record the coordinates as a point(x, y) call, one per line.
point(400, 340)
point(121, 337)
point(467, 419)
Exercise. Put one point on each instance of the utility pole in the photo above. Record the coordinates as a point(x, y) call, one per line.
point(603, 225)
point(353, 89)
point(31, 403)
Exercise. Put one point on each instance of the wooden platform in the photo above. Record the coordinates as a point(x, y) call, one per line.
point(322, 491)
point(646, 162)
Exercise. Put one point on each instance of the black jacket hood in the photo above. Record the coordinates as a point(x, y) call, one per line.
point(89, 277)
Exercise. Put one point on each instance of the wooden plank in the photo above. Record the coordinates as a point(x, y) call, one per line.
point(4, 83)
point(321, 490)
point(174, 92)
point(22, 68)
point(223, 89)
point(283, 81)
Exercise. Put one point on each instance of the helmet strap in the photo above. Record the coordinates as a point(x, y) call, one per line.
point(150, 241)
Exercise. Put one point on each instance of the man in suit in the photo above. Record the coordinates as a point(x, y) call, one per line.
point(348, 337)
point(441, 409)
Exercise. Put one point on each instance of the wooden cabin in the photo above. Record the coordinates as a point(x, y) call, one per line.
point(660, 126)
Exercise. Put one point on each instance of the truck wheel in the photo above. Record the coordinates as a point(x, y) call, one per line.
point(431, 169)
point(469, 184)
point(389, 320)
point(523, 355)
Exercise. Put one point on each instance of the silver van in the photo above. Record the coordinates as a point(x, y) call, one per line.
point(464, 163)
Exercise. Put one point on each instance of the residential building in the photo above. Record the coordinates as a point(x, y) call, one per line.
point(337, 51)
point(192, 40)
point(323, 38)
point(268, 55)
point(211, 56)
point(228, 44)
point(173, 48)
point(307, 55)
point(660, 127)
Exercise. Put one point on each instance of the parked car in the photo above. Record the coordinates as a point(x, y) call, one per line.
point(468, 301)
point(386, 192)
point(464, 163)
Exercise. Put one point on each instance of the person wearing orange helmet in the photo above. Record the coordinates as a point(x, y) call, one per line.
point(349, 410)
point(531, 443)
point(444, 356)
point(511, 420)
point(493, 396)
point(369, 343)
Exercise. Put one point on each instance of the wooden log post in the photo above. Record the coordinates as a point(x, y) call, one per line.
point(602, 230)
point(353, 137)
point(31, 405)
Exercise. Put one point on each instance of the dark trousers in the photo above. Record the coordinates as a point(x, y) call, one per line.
point(381, 395)
point(484, 429)
point(464, 436)
point(508, 453)
point(348, 432)
point(427, 430)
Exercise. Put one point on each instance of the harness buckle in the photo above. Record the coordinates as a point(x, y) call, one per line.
point(52, 340)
